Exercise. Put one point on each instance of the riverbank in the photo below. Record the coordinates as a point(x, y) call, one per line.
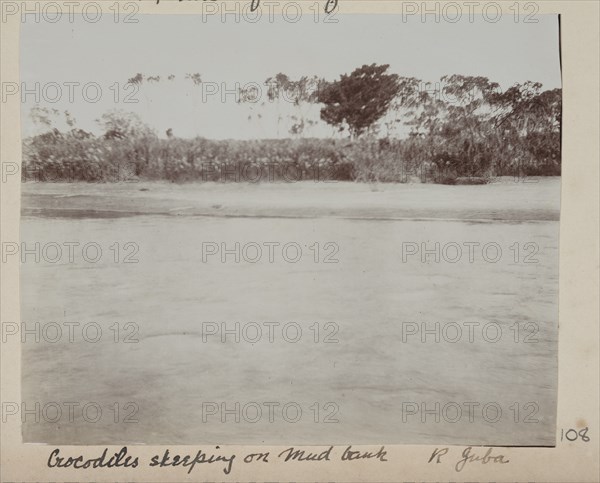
point(529, 199)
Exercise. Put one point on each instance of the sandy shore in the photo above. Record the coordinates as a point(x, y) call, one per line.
point(527, 200)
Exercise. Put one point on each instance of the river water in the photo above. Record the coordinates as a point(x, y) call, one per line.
point(346, 332)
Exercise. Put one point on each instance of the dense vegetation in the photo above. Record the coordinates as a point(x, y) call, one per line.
point(466, 129)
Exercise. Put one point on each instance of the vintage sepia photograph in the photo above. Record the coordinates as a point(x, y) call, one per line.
point(302, 228)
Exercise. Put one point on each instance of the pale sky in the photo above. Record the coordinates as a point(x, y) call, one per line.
point(107, 53)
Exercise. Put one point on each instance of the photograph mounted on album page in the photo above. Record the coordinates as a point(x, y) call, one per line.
point(301, 240)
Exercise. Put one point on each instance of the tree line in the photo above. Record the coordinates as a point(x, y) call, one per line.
point(388, 128)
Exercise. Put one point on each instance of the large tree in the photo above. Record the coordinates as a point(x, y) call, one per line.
point(359, 99)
